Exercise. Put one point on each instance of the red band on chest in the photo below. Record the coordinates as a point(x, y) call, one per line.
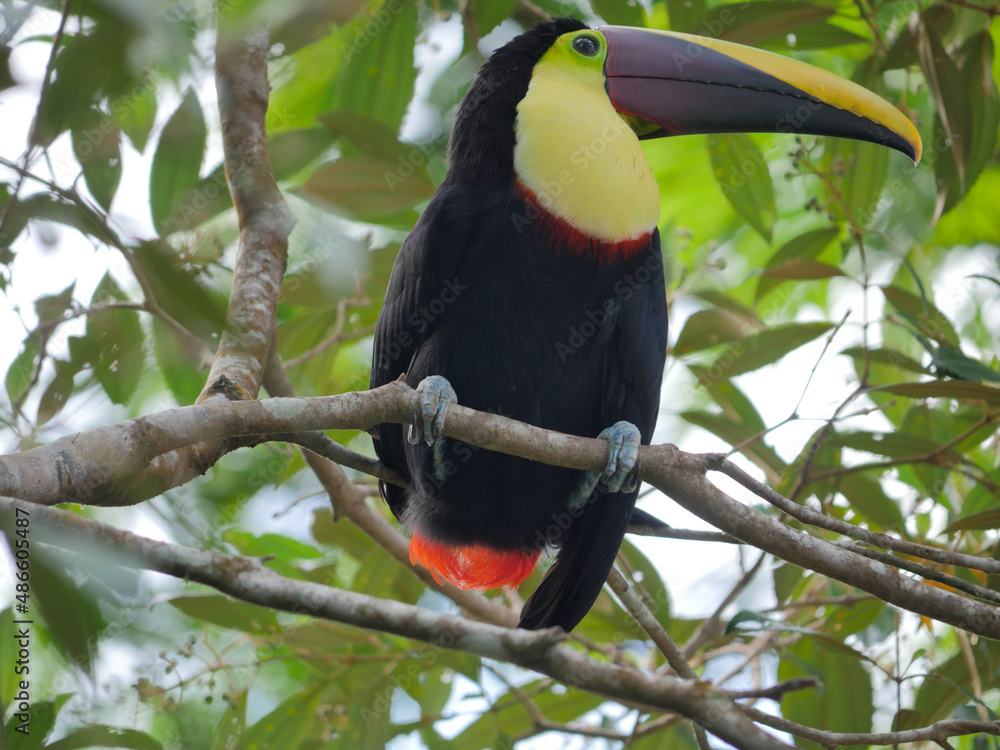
point(561, 234)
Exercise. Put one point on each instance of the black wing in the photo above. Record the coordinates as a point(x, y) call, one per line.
point(427, 261)
point(633, 372)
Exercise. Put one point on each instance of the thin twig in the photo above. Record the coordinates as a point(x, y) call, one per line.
point(777, 692)
point(937, 732)
point(338, 334)
point(924, 571)
point(977, 683)
point(821, 520)
point(712, 626)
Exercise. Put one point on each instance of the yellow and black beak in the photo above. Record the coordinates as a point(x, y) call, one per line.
point(680, 84)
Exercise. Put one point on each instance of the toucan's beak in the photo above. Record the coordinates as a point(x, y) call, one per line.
point(690, 84)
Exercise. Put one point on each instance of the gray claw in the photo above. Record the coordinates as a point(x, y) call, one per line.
point(435, 395)
point(621, 473)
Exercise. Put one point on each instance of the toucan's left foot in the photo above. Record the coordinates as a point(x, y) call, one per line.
point(435, 394)
point(622, 472)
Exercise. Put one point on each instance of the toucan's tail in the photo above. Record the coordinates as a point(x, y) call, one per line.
point(587, 553)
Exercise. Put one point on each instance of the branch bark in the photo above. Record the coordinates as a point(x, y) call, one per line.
point(264, 219)
point(83, 467)
point(247, 579)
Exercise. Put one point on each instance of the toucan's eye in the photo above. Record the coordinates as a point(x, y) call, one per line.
point(586, 45)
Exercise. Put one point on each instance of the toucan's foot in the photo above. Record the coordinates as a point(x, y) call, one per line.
point(435, 394)
point(622, 472)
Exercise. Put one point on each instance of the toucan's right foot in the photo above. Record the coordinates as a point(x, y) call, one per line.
point(435, 394)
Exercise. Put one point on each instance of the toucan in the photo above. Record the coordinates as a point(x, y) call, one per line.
point(532, 286)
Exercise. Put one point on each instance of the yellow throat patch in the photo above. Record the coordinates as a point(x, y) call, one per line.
point(576, 154)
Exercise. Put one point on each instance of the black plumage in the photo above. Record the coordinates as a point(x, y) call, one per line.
point(528, 321)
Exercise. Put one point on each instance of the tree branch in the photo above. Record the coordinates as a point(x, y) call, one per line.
point(938, 732)
point(823, 521)
point(264, 219)
point(248, 580)
point(88, 466)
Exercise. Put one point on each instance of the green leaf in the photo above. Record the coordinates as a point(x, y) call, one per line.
point(488, 14)
point(948, 685)
point(117, 338)
point(51, 306)
point(180, 291)
point(953, 121)
point(650, 580)
point(98, 735)
point(74, 620)
point(733, 401)
point(800, 268)
point(57, 392)
point(766, 347)
point(293, 150)
point(824, 35)
point(295, 721)
point(892, 444)
point(804, 247)
point(764, 623)
point(889, 357)
point(954, 363)
point(6, 81)
point(757, 23)
point(923, 314)
point(741, 171)
point(858, 170)
point(43, 717)
point(367, 189)
point(620, 12)
point(706, 328)
point(135, 112)
point(959, 390)
point(43, 207)
point(988, 519)
point(97, 145)
point(827, 708)
point(179, 369)
point(367, 134)
point(229, 731)
point(228, 613)
point(177, 162)
point(379, 76)
point(74, 89)
point(848, 619)
point(22, 368)
point(786, 580)
point(686, 15)
point(936, 426)
point(284, 550)
point(984, 112)
point(867, 498)
point(308, 22)
point(735, 432)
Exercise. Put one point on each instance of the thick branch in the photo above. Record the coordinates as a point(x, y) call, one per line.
point(264, 219)
point(32, 475)
point(348, 501)
point(247, 579)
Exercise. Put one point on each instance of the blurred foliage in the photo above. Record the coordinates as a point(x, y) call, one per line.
point(840, 255)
